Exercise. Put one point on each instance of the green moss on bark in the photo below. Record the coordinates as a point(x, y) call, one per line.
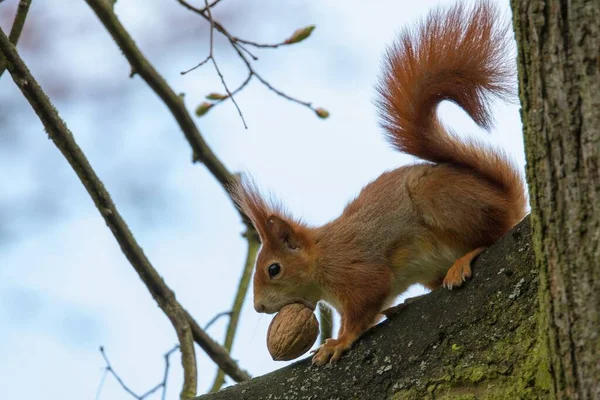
point(513, 368)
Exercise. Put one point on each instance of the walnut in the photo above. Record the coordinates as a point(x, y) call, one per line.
point(292, 332)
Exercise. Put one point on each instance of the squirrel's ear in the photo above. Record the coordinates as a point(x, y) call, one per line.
point(283, 233)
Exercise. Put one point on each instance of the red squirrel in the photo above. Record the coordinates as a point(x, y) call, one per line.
point(422, 223)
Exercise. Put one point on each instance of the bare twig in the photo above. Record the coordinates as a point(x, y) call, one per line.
point(211, 5)
point(139, 63)
point(216, 318)
point(220, 28)
point(238, 302)
point(238, 46)
point(239, 88)
point(17, 28)
point(63, 139)
point(201, 63)
point(214, 61)
point(253, 72)
point(110, 370)
point(101, 385)
point(166, 373)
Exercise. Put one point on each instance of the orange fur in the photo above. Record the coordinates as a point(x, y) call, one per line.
point(422, 223)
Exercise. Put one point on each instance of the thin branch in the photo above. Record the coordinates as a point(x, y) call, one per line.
point(201, 63)
point(17, 28)
point(110, 370)
point(280, 93)
point(63, 139)
point(243, 85)
point(238, 303)
point(216, 318)
point(237, 45)
point(139, 63)
point(101, 385)
point(242, 47)
point(220, 28)
point(253, 72)
point(186, 347)
point(262, 45)
point(166, 374)
point(212, 57)
point(211, 5)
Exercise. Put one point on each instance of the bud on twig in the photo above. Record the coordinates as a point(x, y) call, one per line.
point(203, 108)
point(300, 34)
point(216, 96)
point(322, 113)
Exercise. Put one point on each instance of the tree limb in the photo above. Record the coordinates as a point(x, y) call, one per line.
point(62, 137)
point(140, 65)
point(476, 342)
point(17, 28)
point(238, 302)
point(201, 150)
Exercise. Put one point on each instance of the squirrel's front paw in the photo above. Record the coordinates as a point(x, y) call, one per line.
point(330, 351)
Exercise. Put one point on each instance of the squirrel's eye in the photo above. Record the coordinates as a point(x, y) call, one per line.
point(274, 270)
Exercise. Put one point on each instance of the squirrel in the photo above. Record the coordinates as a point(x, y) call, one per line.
point(418, 224)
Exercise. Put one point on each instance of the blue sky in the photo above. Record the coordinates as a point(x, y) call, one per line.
point(65, 286)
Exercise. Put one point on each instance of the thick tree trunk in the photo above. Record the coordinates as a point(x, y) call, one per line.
point(559, 77)
point(477, 342)
point(559, 48)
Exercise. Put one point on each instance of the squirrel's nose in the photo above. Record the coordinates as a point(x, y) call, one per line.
point(259, 307)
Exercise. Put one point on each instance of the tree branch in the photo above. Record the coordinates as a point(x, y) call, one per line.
point(211, 56)
point(200, 149)
point(238, 46)
point(477, 342)
point(17, 28)
point(216, 318)
point(141, 66)
point(253, 245)
point(163, 295)
point(162, 385)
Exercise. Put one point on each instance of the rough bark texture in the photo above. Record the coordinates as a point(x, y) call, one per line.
point(559, 78)
point(477, 342)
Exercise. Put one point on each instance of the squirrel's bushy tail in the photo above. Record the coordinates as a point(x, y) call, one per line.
point(460, 54)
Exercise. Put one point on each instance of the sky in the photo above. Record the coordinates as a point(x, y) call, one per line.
point(65, 286)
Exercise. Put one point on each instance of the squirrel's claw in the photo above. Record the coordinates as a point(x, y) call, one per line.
point(328, 352)
point(322, 355)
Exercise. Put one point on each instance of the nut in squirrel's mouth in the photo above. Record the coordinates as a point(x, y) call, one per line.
point(306, 303)
point(299, 301)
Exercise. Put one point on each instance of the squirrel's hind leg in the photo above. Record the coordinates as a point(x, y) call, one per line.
point(461, 269)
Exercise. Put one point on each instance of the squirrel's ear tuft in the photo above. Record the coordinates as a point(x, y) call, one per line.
point(266, 215)
point(249, 202)
point(282, 232)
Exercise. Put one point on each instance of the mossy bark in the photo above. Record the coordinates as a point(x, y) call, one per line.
point(559, 79)
point(476, 342)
